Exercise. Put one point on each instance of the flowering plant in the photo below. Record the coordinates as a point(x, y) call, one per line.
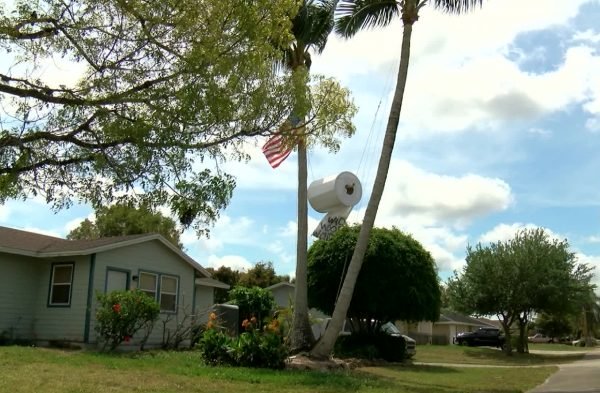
point(120, 314)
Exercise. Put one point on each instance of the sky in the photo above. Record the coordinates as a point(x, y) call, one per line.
point(500, 130)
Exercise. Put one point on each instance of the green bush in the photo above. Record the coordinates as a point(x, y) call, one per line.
point(120, 314)
point(259, 348)
point(371, 346)
point(253, 302)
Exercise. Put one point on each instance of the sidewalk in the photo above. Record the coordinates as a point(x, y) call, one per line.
point(581, 376)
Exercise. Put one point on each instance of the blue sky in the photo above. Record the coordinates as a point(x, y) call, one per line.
point(500, 130)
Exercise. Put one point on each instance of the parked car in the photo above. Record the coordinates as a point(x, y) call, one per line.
point(484, 336)
point(581, 342)
point(388, 328)
point(540, 338)
point(392, 330)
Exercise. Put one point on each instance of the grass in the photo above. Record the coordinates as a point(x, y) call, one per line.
point(454, 354)
point(28, 370)
point(558, 347)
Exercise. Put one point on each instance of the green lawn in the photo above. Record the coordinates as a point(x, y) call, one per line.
point(28, 370)
point(558, 347)
point(455, 354)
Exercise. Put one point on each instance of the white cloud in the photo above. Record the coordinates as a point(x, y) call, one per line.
point(5, 212)
point(504, 232)
point(436, 198)
point(593, 239)
point(74, 223)
point(587, 36)
point(234, 262)
point(539, 131)
point(593, 124)
point(593, 261)
point(435, 208)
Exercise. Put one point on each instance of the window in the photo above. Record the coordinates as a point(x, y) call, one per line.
point(148, 284)
point(162, 288)
point(168, 293)
point(60, 285)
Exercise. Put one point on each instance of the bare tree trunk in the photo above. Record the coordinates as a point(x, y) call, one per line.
point(301, 336)
point(325, 345)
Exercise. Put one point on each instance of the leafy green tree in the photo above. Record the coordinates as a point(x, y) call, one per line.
point(255, 304)
point(554, 326)
point(161, 85)
point(355, 15)
point(399, 279)
point(121, 219)
point(261, 275)
point(311, 26)
point(228, 276)
point(513, 279)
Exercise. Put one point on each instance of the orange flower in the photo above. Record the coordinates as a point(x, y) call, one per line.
point(212, 316)
point(253, 320)
point(116, 308)
point(245, 323)
point(209, 325)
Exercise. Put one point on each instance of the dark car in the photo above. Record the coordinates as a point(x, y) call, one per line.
point(484, 336)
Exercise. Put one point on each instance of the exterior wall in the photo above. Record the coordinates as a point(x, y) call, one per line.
point(62, 323)
point(204, 302)
point(153, 257)
point(18, 294)
point(283, 295)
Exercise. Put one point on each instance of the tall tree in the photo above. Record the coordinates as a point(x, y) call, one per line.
point(530, 273)
point(398, 282)
point(354, 16)
point(152, 87)
point(121, 219)
point(228, 276)
point(311, 27)
point(261, 275)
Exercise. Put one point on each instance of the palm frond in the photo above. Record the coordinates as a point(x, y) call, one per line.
point(314, 22)
point(456, 6)
point(352, 16)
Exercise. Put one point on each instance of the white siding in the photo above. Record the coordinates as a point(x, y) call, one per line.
point(61, 323)
point(18, 294)
point(151, 257)
point(204, 303)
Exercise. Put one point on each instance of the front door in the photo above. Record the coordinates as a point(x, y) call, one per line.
point(116, 280)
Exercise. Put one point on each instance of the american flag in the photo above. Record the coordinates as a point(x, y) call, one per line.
point(277, 148)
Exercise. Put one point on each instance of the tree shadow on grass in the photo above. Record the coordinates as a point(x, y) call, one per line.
point(498, 357)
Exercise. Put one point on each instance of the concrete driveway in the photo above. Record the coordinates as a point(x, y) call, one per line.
point(581, 376)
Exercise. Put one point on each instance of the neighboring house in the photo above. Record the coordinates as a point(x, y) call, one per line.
point(283, 292)
point(48, 285)
point(442, 331)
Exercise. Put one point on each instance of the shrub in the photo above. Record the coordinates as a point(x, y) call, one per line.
point(253, 348)
point(253, 302)
point(121, 314)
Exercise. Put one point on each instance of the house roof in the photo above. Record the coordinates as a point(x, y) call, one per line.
point(15, 241)
point(279, 285)
point(453, 317)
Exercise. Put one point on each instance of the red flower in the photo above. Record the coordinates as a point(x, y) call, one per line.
point(127, 338)
point(116, 308)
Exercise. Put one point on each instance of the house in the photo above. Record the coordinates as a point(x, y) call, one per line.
point(48, 285)
point(443, 330)
point(283, 293)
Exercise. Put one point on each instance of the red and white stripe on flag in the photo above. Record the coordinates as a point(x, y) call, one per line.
point(276, 150)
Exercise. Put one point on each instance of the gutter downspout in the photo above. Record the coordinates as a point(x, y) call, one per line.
point(90, 294)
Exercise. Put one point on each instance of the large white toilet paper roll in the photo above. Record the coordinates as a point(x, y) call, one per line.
point(333, 192)
point(334, 195)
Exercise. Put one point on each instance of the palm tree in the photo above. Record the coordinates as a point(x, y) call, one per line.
point(311, 26)
point(352, 17)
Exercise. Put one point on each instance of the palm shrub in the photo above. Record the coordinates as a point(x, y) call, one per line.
point(120, 314)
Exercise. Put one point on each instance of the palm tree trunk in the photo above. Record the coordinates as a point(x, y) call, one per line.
point(325, 345)
point(301, 335)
